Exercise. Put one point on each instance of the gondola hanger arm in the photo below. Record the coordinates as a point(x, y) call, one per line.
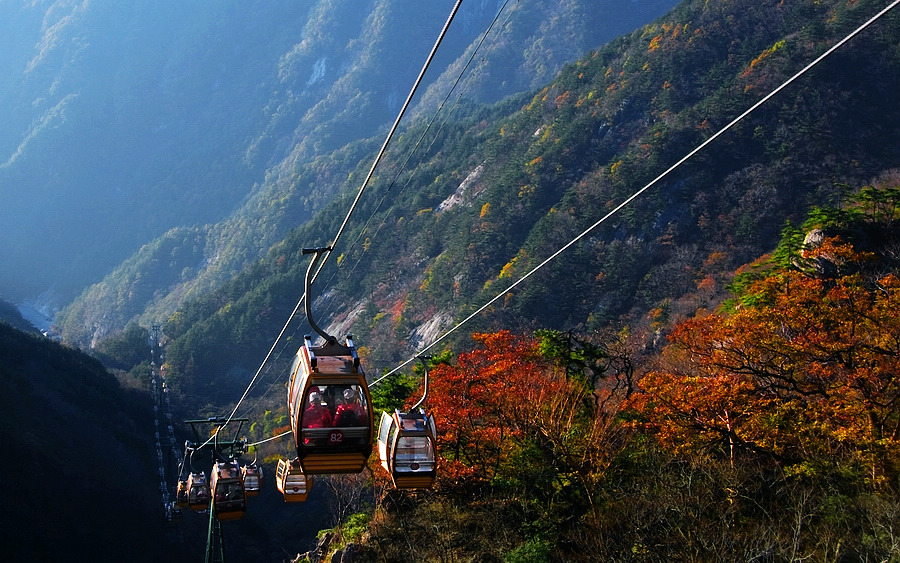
point(306, 290)
point(424, 360)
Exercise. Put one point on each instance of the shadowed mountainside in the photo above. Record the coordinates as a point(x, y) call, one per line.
point(122, 121)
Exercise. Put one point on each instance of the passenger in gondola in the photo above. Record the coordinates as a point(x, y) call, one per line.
point(350, 412)
point(413, 423)
point(316, 415)
point(228, 492)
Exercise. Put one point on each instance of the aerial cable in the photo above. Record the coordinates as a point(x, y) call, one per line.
point(266, 359)
point(283, 434)
point(250, 409)
point(390, 134)
point(468, 63)
point(428, 127)
point(256, 375)
point(384, 145)
point(653, 182)
point(466, 66)
point(337, 236)
point(443, 102)
point(387, 140)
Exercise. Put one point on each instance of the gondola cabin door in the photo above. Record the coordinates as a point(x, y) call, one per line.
point(331, 409)
point(406, 449)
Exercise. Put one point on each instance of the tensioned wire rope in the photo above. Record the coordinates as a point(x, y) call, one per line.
point(431, 122)
point(640, 191)
point(421, 138)
point(353, 206)
point(653, 182)
point(475, 51)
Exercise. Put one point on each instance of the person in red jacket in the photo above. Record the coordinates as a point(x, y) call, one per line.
point(350, 412)
point(316, 415)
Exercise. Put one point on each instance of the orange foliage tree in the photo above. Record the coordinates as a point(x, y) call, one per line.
point(507, 414)
point(478, 401)
point(806, 372)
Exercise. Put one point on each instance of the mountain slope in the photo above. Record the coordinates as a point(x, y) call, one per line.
point(123, 121)
point(81, 483)
point(339, 83)
point(533, 173)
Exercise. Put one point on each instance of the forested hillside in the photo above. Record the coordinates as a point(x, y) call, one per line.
point(122, 121)
point(10, 315)
point(78, 473)
point(504, 186)
point(765, 431)
point(331, 88)
point(708, 374)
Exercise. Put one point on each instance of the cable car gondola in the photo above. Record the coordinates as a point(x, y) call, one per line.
point(406, 448)
point(198, 491)
point(252, 475)
point(291, 482)
point(330, 405)
point(406, 444)
point(329, 402)
point(229, 499)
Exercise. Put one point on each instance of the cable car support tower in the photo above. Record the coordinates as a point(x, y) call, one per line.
point(219, 451)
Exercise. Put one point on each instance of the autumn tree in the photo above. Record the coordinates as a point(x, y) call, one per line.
point(804, 372)
point(508, 416)
point(477, 401)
